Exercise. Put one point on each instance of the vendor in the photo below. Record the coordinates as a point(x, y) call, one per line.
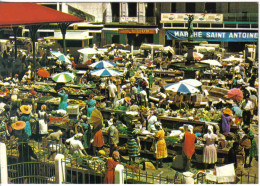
point(75, 144)
point(86, 131)
point(98, 139)
point(110, 168)
point(63, 103)
point(43, 118)
point(91, 105)
point(252, 151)
point(26, 116)
point(209, 151)
point(26, 79)
point(112, 90)
point(188, 148)
point(226, 121)
point(161, 149)
point(16, 79)
point(152, 119)
point(133, 144)
point(113, 136)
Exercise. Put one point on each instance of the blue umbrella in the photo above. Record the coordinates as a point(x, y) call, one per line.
point(105, 73)
point(181, 88)
point(237, 111)
point(102, 64)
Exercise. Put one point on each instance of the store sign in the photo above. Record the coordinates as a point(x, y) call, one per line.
point(128, 19)
point(137, 31)
point(213, 36)
point(198, 18)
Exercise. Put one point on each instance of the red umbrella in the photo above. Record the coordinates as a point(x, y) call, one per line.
point(43, 73)
point(235, 94)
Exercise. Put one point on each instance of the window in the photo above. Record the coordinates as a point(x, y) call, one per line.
point(173, 7)
point(190, 7)
point(149, 10)
point(132, 10)
point(115, 9)
point(210, 7)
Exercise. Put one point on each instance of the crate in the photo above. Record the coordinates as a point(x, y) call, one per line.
point(73, 109)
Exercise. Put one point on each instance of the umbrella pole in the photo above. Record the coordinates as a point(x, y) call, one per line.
point(15, 29)
point(33, 30)
point(63, 28)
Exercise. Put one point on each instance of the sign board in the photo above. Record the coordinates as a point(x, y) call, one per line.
point(128, 19)
point(198, 18)
point(239, 36)
point(137, 31)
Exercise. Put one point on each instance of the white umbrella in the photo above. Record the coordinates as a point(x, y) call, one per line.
point(212, 62)
point(192, 82)
point(181, 88)
point(105, 73)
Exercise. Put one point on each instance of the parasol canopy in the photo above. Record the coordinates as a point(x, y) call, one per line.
point(196, 55)
point(43, 73)
point(63, 77)
point(96, 118)
point(102, 64)
point(212, 62)
point(61, 56)
point(192, 82)
point(181, 88)
point(105, 73)
point(32, 13)
point(235, 94)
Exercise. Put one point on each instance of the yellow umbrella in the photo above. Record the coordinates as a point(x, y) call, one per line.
point(96, 118)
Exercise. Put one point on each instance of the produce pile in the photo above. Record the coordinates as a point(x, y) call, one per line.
point(77, 102)
point(73, 91)
point(200, 114)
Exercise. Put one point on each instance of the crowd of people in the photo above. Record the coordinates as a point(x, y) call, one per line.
point(27, 122)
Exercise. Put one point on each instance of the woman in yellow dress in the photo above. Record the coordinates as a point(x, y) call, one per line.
point(161, 149)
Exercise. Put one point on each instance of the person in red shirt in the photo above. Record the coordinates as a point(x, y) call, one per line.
point(111, 165)
point(188, 147)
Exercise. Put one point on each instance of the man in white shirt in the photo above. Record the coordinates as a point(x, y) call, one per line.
point(75, 144)
point(247, 108)
point(112, 91)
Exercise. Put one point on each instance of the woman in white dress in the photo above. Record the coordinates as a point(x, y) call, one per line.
point(43, 125)
point(210, 151)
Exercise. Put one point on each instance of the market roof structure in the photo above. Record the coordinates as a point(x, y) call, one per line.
point(15, 14)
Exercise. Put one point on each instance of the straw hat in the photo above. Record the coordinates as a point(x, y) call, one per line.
point(26, 109)
point(128, 100)
point(19, 125)
point(43, 107)
point(101, 152)
point(227, 111)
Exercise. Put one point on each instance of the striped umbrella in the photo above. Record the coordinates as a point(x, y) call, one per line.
point(63, 77)
point(181, 88)
point(61, 56)
point(105, 73)
point(102, 64)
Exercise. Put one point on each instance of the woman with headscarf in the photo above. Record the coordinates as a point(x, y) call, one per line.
point(209, 151)
point(226, 121)
point(133, 144)
point(43, 125)
point(110, 168)
point(161, 149)
point(188, 147)
point(26, 116)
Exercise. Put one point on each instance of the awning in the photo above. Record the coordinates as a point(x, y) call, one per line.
point(32, 13)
